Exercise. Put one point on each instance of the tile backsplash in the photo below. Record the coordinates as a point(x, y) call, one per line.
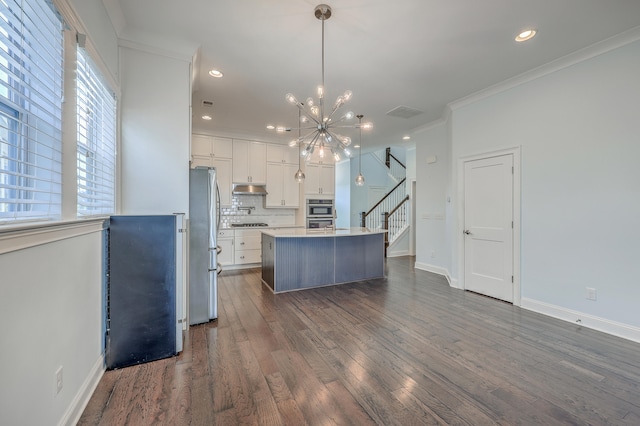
point(250, 209)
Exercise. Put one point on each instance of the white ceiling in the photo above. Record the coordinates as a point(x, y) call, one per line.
point(422, 54)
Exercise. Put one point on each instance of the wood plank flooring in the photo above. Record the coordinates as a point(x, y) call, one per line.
point(405, 350)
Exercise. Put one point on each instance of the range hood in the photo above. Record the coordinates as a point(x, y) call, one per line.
point(245, 189)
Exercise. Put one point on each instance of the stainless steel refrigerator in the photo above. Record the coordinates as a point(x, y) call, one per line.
point(204, 221)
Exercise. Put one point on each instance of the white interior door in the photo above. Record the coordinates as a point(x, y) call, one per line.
point(488, 226)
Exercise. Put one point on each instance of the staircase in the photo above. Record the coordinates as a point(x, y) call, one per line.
point(395, 169)
point(392, 211)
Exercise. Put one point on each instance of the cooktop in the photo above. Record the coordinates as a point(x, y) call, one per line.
point(248, 225)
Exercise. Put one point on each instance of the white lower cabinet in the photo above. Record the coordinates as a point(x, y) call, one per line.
point(248, 246)
point(226, 243)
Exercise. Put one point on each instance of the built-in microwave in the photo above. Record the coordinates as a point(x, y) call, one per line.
point(319, 223)
point(319, 208)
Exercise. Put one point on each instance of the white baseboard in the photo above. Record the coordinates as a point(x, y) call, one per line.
point(453, 282)
point(590, 321)
point(398, 253)
point(80, 401)
point(438, 270)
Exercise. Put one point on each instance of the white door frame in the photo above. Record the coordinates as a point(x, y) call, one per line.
point(459, 228)
point(412, 229)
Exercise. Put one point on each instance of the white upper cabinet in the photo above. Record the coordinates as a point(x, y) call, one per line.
point(283, 190)
point(222, 147)
point(223, 177)
point(201, 146)
point(249, 162)
point(210, 151)
point(282, 154)
point(320, 179)
point(205, 148)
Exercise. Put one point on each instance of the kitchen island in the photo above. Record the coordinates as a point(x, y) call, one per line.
point(295, 259)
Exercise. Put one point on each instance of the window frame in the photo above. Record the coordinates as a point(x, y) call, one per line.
point(31, 82)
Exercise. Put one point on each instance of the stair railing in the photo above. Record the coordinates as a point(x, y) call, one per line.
point(396, 221)
point(373, 219)
point(396, 168)
point(391, 212)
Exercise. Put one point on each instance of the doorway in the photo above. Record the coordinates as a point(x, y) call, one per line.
point(412, 230)
point(489, 226)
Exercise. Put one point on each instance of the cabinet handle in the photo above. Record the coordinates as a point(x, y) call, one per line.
point(242, 243)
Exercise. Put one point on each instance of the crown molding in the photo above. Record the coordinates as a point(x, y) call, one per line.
point(597, 49)
point(185, 54)
point(432, 124)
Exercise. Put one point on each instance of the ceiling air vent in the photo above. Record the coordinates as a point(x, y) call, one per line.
point(404, 112)
point(208, 104)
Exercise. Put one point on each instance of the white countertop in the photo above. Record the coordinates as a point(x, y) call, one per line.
point(339, 232)
point(258, 228)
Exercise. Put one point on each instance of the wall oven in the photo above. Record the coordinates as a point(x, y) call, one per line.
point(320, 208)
point(319, 223)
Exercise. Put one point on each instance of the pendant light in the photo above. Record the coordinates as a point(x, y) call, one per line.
point(360, 178)
point(299, 176)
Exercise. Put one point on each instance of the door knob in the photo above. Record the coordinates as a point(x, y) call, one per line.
point(467, 232)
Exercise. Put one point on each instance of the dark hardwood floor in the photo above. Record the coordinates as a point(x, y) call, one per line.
point(405, 350)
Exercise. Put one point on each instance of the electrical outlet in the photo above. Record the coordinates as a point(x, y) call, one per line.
point(58, 380)
point(591, 293)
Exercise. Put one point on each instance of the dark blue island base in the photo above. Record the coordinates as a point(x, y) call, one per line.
point(295, 262)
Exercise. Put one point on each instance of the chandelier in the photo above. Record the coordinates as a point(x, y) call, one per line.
point(319, 120)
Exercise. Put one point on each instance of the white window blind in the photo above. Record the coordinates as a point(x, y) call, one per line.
point(96, 140)
point(31, 55)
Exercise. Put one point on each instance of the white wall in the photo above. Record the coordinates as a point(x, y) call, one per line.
point(432, 209)
point(579, 131)
point(410, 162)
point(52, 303)
point(155, 133)
point(51, 311)
point(94, 18)
point(343, 194)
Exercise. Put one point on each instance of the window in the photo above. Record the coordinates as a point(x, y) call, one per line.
point(31, 55)
point(96, 140)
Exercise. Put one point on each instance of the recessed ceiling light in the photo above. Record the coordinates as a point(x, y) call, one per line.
point(406, 137)
point(216, 73)
point(270, 127)
point(526, 35)
point(206, 117)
